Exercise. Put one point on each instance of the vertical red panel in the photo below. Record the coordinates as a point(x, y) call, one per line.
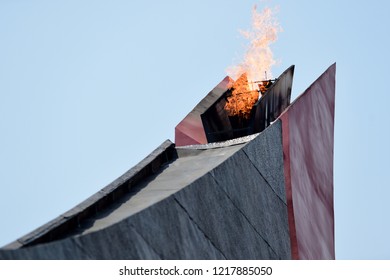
point(308, 132)
point(287, 174)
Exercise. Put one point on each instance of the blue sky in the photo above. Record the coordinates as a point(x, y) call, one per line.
point(89, 88)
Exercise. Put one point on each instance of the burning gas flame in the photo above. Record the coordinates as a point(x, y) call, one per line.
point(258, 59)
point(241, 101)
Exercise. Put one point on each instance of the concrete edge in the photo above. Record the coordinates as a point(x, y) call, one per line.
point(58, 227)
point(222, 144)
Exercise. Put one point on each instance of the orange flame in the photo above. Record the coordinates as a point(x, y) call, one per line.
point(258, 58)
point(241, 101)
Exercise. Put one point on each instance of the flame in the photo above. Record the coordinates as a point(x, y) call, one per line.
point(264, 85)
point(258, 58)
point(241, 101)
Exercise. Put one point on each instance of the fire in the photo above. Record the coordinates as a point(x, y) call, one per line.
point(264, 85)
point(258, 59)
point(241, 101)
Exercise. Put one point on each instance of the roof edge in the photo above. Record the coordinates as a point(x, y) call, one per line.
point(57, 228)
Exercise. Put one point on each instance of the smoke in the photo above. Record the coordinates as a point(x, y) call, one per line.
point(258, 58)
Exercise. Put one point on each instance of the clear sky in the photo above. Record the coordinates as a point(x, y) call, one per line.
point(89, 88)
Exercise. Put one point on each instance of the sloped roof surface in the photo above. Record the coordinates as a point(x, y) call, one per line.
point(263, 196)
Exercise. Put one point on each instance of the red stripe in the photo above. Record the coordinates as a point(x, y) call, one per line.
point(287, 176)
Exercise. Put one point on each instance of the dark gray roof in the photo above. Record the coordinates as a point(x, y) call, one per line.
point(179, 203)
point(70, 220)
point(263, 196)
